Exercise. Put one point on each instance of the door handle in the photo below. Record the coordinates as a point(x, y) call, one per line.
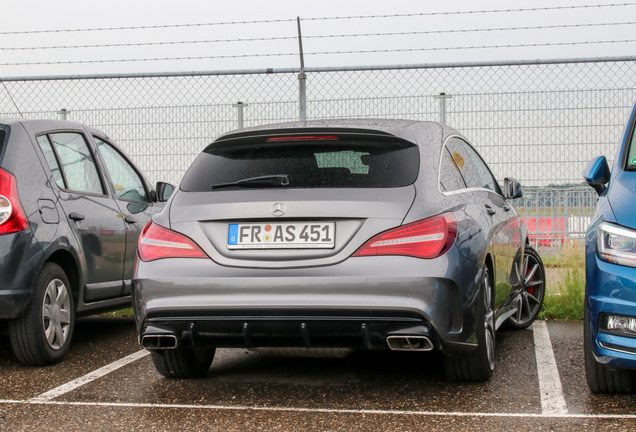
point(507, 208)
point(130, 220)
point(76, 216)
point(490, 210)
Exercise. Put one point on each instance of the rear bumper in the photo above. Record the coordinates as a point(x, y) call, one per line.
point(357, 303)
point(20, 259)
point(364, 331)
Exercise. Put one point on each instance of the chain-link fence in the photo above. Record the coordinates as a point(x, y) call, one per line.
point(538, 122)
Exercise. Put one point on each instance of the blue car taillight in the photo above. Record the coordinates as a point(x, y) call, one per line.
point(616, 244)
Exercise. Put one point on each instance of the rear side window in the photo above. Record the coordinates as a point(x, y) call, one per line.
point(71, 162)
point(472, 168)
point(332, 163)
point(449, 177)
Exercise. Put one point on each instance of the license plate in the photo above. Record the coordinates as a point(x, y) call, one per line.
point(288, 235)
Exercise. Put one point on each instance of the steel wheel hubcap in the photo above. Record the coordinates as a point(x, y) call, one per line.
point(56, 314)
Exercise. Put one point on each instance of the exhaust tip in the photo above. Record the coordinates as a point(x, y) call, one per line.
point(409, 343)
point(155, 342)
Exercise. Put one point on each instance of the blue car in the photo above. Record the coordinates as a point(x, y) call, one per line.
point(610, 261)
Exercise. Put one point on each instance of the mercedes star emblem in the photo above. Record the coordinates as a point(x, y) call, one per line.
point(279, 209)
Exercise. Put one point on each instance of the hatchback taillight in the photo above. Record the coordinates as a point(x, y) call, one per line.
point(157, 242)
point(12, 216)
point(427, 238)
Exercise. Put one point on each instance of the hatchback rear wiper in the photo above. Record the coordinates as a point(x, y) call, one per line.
point(262, 181)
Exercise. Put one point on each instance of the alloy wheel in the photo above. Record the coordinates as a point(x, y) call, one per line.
point(530, 291)
point(489, 320)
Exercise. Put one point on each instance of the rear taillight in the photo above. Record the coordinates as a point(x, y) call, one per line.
point(157, 242)
point(427, 238)
point(12, 216)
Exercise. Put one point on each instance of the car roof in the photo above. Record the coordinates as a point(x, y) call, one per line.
point(41, 125)
point(410, 130)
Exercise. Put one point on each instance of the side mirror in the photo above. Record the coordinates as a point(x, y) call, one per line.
point(164, 191)
point(512, 188)
point(597, 174)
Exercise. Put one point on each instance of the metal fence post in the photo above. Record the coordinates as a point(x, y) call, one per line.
point(302, 96)
point(61, 114)
point(302, 80)
point(239, 114)
point(442, 106)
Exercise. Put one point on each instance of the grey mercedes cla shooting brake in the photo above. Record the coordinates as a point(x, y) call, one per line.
point(335, 236)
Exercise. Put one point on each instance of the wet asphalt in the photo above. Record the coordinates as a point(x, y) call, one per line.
point(248, 391)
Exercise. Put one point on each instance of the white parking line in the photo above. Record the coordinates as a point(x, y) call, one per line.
point(92, 376)
point(552, 398)
point(319, 410)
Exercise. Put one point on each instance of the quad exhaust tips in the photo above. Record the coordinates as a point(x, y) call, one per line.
point(409, 343)
point(155, 342)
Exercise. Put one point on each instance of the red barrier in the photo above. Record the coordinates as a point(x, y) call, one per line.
point(545, 231)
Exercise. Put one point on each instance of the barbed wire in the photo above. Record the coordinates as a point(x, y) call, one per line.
point(234, 56)
point(278, 21)
point(282, 38)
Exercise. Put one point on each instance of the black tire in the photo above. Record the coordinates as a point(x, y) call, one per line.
point(183, 362)
point(531, 291)
point(42, 335)
point(479, 365)
point(600, 378)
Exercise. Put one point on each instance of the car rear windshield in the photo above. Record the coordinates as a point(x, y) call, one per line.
point(310, 162)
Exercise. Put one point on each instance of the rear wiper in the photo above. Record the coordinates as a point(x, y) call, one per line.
point(262, 181)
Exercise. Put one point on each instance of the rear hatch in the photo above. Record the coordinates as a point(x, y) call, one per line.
point(295, 198)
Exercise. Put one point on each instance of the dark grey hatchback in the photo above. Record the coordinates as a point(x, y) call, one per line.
point(71, 209)
point(331, 236)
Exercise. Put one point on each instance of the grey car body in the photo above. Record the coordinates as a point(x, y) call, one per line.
point(257, 296)
point(73, 206)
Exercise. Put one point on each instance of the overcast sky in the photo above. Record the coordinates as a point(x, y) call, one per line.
point(435, 33)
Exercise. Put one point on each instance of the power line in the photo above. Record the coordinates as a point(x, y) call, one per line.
point(277, 21)
point(233, 56)
point(352, 35)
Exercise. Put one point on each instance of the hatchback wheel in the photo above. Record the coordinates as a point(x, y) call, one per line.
point(531, 291)
point(479, 364)
point(42, 335)
point(600, 378)
point(183, 362)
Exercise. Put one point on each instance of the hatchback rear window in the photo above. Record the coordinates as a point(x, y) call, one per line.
point(305, 163)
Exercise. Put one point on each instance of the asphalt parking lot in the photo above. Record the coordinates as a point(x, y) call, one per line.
point(107, 383)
